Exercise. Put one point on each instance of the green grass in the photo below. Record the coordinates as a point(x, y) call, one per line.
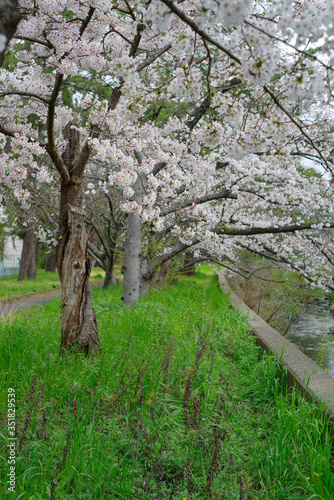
point(9, 287)
point(179, 405)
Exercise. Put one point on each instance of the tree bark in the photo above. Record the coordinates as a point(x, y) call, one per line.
point(78, 322)
point(109, 263)
point(132, 250)
point(9, 19)
point(37, 251)
point(51, 262)
point(146, 275)
point(109, 278)
point(28, 249)
point(32, 268)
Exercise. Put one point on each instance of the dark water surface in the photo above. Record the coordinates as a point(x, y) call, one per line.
point(313, 333)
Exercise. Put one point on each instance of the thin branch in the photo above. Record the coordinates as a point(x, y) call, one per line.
point(153, 57)
point(234, 231)
point(25, 94)
point(158, 167)
point(198, 201)
point(298, 125)
point(198, 30)
point(86, 21)
point(11, 133)
point(283, 301)
point(34, 40)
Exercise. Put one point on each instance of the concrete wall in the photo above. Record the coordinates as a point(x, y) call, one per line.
point(302, 372)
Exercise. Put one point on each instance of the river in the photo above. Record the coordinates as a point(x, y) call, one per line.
point(313, 333)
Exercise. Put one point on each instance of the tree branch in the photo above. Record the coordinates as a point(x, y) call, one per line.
point(153, 57)
point(51, 145)
point(298, 125)
point(234, 231)
point(25, 94)
point(198, 201)
point(158, 166)
point(198, 30)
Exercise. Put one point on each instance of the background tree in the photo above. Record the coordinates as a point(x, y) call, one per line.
point(9, 19)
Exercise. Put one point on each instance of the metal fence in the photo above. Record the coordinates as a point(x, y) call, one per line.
point(9, 265)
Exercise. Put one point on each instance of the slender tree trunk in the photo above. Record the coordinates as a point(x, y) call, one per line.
point(51, 262)
point(109, 262)
point(32, 268)
point(109, 278)
point(37, 251)
point(132, 251)
point(27, 249)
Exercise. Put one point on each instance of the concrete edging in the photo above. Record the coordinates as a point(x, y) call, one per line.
point(302, 372)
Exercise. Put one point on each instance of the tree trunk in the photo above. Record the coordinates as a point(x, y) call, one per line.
point(109, 263)
point(32, 268)
point(51, 262)
point(146, 276)
point(37, 251)
point(9, 19)
point(132, 251)
point(93, 237)
point(27, 249)
point(78, 322)
point(109, 278)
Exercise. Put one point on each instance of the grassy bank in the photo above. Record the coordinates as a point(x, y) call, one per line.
point(9, 287)
point(180, 405)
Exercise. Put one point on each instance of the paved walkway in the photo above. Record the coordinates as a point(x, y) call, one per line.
point(34, 300)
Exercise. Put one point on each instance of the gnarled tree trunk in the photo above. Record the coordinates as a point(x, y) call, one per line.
point(78, 323)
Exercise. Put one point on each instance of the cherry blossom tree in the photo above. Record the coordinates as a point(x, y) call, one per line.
point(235, 73)
point(60, 41)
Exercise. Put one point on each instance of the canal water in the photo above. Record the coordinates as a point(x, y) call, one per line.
point(313, 333)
